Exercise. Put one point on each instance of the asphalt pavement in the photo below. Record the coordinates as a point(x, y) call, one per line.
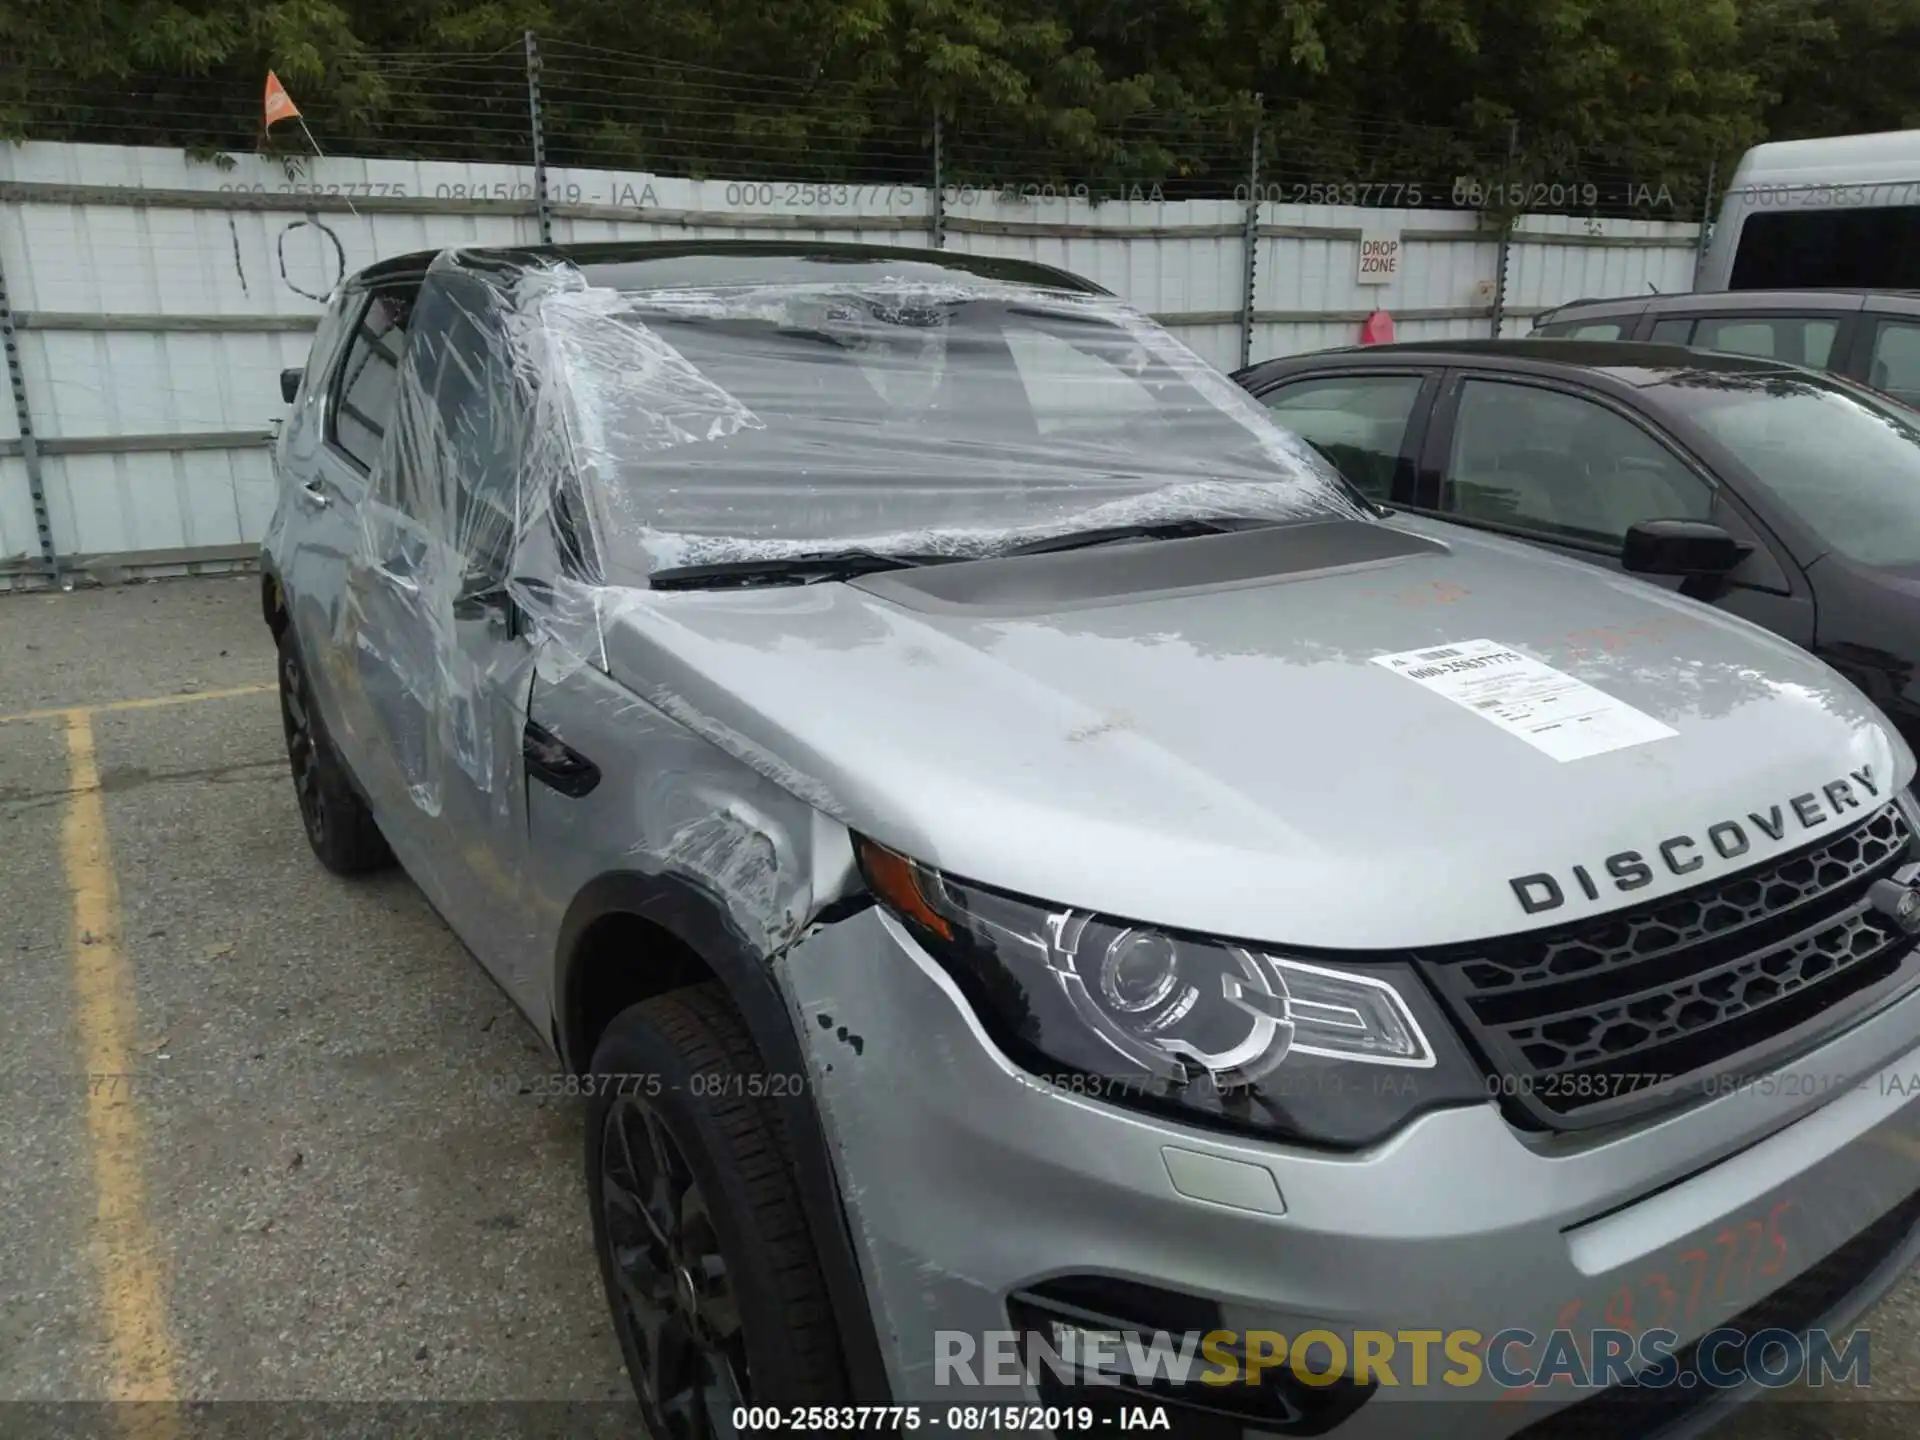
point(262, 1139)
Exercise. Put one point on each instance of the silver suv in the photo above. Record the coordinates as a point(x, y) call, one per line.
point(1009, 845)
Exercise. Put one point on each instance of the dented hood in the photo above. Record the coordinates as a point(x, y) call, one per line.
point(1201, 734)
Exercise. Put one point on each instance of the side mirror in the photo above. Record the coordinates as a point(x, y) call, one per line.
point(495, 606)
point(290, 384)
point(1692, 549)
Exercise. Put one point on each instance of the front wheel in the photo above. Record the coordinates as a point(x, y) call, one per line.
point(715, 1288)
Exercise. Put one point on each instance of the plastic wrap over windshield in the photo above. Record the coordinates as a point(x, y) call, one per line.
point(956, 419)
point(552, 445)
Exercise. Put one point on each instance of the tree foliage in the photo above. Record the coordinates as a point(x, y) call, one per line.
point(1340, 91)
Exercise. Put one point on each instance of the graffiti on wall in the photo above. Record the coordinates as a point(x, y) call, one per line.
point(312, 259)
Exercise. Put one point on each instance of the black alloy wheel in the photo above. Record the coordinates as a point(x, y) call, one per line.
point(676, 1295)
point(703, 1242)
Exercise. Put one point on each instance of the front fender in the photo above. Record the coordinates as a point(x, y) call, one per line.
point(699, 920)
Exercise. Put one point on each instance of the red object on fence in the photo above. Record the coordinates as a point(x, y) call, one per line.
point(1378, 330)
point(278, 105)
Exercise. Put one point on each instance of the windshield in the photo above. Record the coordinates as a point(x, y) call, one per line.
point(1848, 464)
point(953, 420)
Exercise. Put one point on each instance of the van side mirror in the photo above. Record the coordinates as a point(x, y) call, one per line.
point(1691, 549)
point(290, 384)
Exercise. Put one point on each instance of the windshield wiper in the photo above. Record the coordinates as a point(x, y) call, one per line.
point(787, 570)
point(1166, 530)
point(851, 564)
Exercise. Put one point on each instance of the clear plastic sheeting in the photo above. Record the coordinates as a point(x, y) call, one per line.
point(554, 443)
point(942, 419)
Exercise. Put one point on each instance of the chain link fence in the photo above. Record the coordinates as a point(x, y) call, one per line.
point(142, 353)
point(550, 102)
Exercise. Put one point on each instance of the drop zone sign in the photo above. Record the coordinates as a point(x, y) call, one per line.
point(1379, 258)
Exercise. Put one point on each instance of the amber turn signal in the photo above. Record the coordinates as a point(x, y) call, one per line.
point(896, 880)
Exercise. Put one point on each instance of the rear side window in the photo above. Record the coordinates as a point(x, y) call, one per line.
point(328, 336)
point(1873, 248)
point(1894, 367)
point(1796, 339)
point(1672, 332)
point(1357, 421)
point(369, 381)
point(1584, 330)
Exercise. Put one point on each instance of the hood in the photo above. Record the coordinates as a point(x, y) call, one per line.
point(1200, 734)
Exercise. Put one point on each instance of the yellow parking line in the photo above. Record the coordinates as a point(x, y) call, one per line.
point(130, 1267)
point(144, 702)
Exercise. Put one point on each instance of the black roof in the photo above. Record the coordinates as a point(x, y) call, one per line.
point(1624, 358)
point(682, 264)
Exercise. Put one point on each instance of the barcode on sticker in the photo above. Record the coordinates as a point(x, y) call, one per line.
point(1436, 655)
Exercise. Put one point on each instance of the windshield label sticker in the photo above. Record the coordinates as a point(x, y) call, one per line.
point(1552, 711)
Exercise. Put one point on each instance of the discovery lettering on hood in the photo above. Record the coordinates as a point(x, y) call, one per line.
point(1684, 854)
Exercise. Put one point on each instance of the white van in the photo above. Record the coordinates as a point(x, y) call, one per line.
point(1818, 214)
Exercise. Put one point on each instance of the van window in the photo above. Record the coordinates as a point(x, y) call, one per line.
point(1672, 332)
point(1875, 248)
point(1795, 339)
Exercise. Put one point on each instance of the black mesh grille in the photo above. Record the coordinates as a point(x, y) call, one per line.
point(1611, 1014)
point(1802, 1303)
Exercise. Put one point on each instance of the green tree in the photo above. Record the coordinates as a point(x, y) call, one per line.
point(1839, 68)
point(1643, 92)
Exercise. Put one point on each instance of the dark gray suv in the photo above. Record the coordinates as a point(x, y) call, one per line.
point(1872, 336)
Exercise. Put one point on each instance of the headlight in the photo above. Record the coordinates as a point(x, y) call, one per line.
point(1230, 1033)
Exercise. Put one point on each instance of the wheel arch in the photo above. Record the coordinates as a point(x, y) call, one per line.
point(273, 599)
point(695, 941)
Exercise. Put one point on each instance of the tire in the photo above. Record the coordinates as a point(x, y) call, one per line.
point(339, 826)
point(681, 1078)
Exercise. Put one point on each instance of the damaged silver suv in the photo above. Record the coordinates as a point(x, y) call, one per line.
point(1036, 875)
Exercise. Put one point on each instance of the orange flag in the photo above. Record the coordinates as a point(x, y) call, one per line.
point(279, 105)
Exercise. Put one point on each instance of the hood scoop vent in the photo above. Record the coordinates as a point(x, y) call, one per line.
point(1126, 571)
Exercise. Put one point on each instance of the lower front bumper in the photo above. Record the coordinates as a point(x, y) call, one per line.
point(967, 1182)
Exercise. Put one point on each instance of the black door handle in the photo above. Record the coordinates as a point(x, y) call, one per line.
point(556, 764)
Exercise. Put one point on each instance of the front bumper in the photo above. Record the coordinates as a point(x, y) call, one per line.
point(966, 1181)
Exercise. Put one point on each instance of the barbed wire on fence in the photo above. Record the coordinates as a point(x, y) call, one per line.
point(605, 109)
